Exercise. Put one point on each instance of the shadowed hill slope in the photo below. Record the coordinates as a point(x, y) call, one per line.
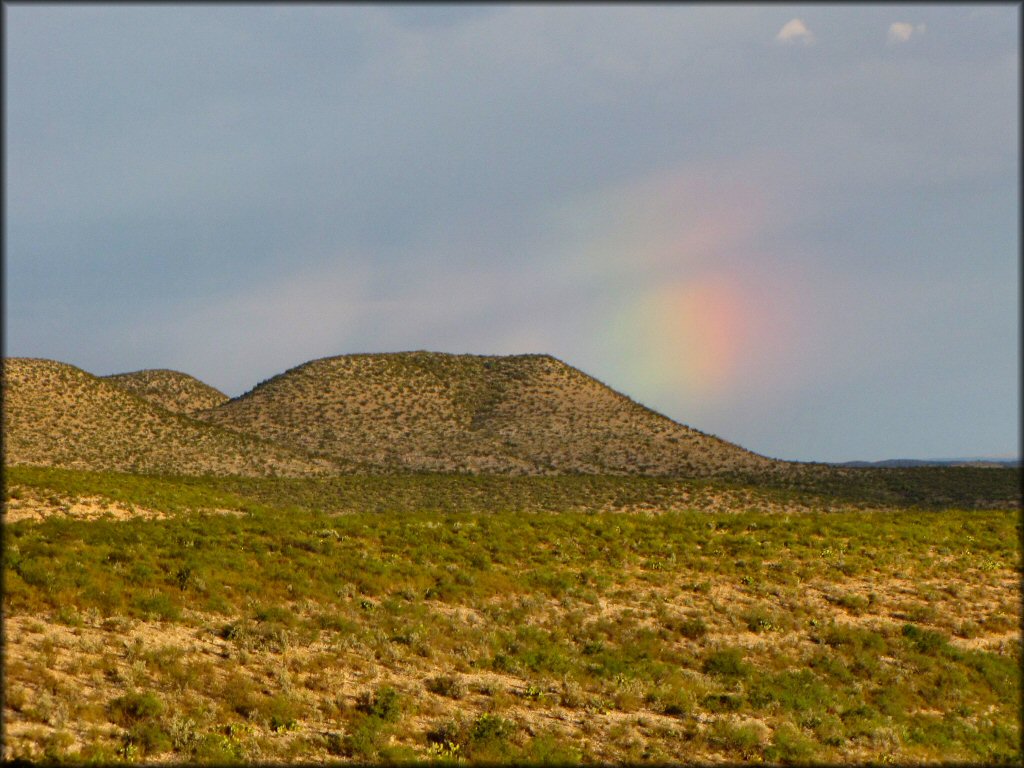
point(177, 392)
point(523, 414)
point(58, 415)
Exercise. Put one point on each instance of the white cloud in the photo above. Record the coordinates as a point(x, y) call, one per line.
point(901, 32)
point(795, 31)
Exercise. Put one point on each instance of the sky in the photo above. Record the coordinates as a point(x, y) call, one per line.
point(794, 227)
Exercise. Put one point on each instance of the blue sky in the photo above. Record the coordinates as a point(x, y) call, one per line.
point(793, 227)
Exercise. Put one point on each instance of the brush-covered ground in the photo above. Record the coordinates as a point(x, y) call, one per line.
point(509, 620)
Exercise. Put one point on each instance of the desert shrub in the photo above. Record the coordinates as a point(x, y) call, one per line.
point(747, 739)
point(384, 703)
point(241, 695)
point(925, 641)
point(693, 628)
point(759, 619)
point(217, 749)
point(789, 745)
point(336, 623)
point(675, 701)
point(893, 699)
point(275, 614)
point(999, 622)
point(367, 738)
point(829, 663)
point(852, 602)
point(150, 737)
point(548, 749)
point(159, 604)
point(922, 612)
point(334, 743)
point(282, 713)
point(489, 738)
point(726, 662)
point(135, 706)
point(794, 690)
point(446, 685)
point(1002, 674)
point(856, 638)
point(722, 702)
point(968, 629)
point(55, 747)
point(829, 730)
point(449, 735)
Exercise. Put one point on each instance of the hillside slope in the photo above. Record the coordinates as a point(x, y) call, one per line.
point(60, 416)
point(177, 392)
point(523, 414)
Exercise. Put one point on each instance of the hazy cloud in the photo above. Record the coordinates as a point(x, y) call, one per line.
point(795, 31)
point(901, 32)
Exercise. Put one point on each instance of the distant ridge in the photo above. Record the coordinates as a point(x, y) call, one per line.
point(977, 462)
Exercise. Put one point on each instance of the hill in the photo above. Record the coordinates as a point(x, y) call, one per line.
point(177, 392)
point(522, 414)
point(58, 415)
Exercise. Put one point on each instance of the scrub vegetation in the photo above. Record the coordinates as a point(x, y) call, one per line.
point(505, 619)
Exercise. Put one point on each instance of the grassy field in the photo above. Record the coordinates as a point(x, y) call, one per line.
point(440, 618)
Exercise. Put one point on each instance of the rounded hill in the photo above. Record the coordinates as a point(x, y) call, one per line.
point(58, 415)
point(177, 392)
point(520, 414)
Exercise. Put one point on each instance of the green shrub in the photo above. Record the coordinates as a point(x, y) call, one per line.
point(282, 713)
point(789, 745)
point(745, 738)
point(135, 706)
point(275, 614)
point(159, 604)
point(384, 703)
point(449, 735)
point(241, 695)
point(217, 749)
point(549, 749)
point(368, 737)
point(830, 730)
point(489, 738)
point(925, 641)
point(722, 702)
point(334, 743)
point(759, 620)
point(693, 629)
point(793, 690)
point(150, 737)
point(726, 662)
point(676, 702)
point(852, 602)
point(857, 638)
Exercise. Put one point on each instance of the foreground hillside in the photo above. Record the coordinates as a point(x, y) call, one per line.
point(177, 392)
point(362, 619)
point(58, 415)
point(523, 414)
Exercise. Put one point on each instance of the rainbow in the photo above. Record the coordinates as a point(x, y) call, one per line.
point(686, 337)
